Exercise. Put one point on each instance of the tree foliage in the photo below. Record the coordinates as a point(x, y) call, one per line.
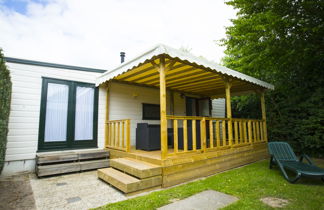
point(282, 42)
point(5, 97)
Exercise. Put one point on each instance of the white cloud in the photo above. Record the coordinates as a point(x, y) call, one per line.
point(93, 32)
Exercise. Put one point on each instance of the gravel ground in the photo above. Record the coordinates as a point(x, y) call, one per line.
point(71, 191)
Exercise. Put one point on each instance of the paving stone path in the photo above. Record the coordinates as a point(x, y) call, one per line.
point(206, 200)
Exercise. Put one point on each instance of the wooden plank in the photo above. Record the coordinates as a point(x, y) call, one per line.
point(261, 130)
point(56, 157)
point(217, 134)
point(236, 135)
point(224, 133)
point(245, 132)
point(127, 183)
point(107, 118)
point(185, 135)
point(175, 136)
point(163, 121)
point(211, 134)
point(128, 136)
point(118, 134)
point(194, 140)
point(93, 154)
point(241, 131)
point(229, 110)
point(93, 164)
point(257, 125)
point(254, 131)
point(264, 118)
point(137, 168)
point(123, 134)
point(203, 138)
point(250, 131)
point(54, 169)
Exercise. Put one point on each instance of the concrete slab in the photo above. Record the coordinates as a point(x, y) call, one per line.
point(206, 200)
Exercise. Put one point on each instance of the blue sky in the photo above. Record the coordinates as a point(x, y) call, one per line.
point(93, 32)
point(19, 6)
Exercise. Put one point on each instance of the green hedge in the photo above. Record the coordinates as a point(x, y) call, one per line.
point(5, 98)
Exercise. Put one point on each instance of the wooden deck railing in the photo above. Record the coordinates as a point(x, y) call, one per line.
point(118, 136)
point(212, 133)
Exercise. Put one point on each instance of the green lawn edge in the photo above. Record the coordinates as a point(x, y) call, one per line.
point(249, 183)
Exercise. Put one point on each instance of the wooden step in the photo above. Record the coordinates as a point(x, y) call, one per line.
point(92, 154)
point(125, 182)
point(94, 164)
point(47, 158)
point(136, 168)
point(54, 169)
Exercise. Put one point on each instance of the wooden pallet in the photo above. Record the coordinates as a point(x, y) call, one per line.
point(66, 162)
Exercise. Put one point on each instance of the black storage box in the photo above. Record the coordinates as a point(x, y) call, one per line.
point(148, 137)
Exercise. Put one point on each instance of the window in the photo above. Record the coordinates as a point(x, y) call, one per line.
point(151, 112)
point(69, 114)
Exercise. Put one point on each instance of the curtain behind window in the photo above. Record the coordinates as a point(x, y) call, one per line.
point(56, 112)
point(84, 113)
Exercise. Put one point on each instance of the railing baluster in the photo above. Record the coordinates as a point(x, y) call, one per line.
point(224, 132)
point(261, 130)
point(127, 135)
point(250, 131)
point(217, 134)
point(254, 132)
point(118, 134)
point(211, 134)
point(257, 125)
point(203, 138)
point(123, 134)
point(241, 132)
point(236, 132)
point(175, 136)
point(194, 148)
point(185, 136)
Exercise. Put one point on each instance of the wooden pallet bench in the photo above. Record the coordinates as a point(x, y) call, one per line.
point(72, 161)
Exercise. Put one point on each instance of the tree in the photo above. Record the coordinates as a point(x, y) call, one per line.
point(282, 42)
point(5, 97)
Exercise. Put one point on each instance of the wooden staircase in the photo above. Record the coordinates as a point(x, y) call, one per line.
point(131, 175)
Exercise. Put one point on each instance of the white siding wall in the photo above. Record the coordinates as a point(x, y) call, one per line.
point(25, 109)
point(125, 102)
point(218, 109)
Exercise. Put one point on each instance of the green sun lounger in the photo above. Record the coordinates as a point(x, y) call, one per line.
point(283, 155)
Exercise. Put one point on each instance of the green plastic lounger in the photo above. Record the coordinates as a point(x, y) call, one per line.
point(283, 155)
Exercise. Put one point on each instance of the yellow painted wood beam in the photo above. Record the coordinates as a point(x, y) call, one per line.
point(163, 122)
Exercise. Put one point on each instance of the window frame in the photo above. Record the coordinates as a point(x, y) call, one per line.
point(144, 105)
point(70, 142)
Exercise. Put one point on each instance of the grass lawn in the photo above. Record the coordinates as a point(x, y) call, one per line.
point(248, 183)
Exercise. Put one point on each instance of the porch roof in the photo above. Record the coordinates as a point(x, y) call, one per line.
point(187, 73)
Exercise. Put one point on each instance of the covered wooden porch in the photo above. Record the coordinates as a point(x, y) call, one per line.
point(200, 144)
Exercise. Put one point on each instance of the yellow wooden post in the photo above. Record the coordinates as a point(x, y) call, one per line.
point(107, 119)
point(163, 122)
point(264, 118)
point(229, 110)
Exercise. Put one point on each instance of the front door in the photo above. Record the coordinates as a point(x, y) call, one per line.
point(69, 113)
